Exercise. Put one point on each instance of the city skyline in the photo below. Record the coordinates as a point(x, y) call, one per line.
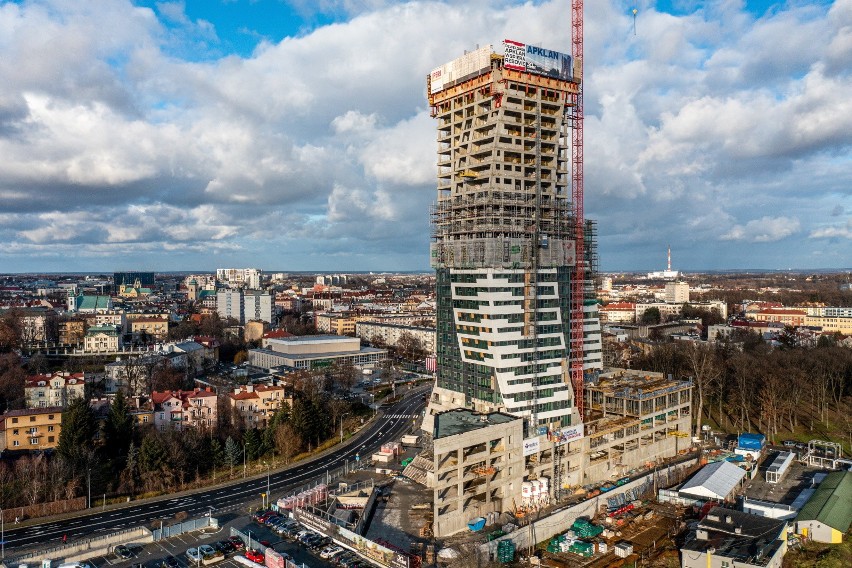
point(173, 136)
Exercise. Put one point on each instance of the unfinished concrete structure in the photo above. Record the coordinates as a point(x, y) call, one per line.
point(633, 417)
point(478, 466)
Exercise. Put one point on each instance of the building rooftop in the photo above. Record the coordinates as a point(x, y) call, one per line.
point(627, 383)
point(734, 534)
point(831, 503)
point(461, 420)
point(714, 481)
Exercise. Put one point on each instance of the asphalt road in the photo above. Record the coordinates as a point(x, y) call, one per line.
point(389, 425)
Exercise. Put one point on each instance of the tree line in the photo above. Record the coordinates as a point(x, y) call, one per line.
point(751, 386)
point(113, 455)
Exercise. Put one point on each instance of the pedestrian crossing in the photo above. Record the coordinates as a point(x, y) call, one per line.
point(402, 416)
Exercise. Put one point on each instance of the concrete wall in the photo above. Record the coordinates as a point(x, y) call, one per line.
point(85, 549)
point(450, 464)
point(561, 520)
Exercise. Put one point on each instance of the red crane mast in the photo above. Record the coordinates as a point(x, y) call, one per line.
point(579, 273)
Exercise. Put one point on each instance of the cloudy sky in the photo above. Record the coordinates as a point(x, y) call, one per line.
point(295, 134)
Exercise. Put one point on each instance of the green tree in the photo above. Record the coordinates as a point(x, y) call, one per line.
point(217, 452)
point(118, 431)
point(129, 477)
point(651, 316)
point(252, 442)
point(78, 435)
point(233, 452)
point(153, 455)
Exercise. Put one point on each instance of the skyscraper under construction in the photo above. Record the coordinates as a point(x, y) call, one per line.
point(504, 244)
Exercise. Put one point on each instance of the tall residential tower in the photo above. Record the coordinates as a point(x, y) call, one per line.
point(503, 242)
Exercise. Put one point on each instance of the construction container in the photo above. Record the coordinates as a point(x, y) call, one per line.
point(603, 548)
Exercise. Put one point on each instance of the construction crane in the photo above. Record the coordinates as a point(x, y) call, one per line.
point(578, 282)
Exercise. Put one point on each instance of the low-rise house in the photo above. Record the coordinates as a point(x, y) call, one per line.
point(725, 538)
point(178, 410)
point(103, 339)
point(56, 390)
point(33, 429)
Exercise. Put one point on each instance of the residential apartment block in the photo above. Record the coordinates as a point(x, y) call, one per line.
point(31, 429)
point(244, 305)
point(179, 410)
point(240, 277)
point(56, 390)
point(257, 404)
point(390, 333)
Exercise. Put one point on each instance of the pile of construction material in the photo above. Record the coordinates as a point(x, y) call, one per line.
point(584, 528)
point(506, 551)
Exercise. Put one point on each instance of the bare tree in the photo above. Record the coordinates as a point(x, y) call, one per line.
point(706, 371)
point(287, 441)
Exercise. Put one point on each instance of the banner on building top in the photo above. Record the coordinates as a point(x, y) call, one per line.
point(531, 446)
point(522, 57)
point(568, 434)
point(459, 69)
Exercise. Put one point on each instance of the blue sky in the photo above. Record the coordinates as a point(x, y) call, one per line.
point(295, 135)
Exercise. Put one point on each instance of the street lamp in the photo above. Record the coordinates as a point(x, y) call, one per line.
point(267, 482)
point(244, 461)
point(342, 416)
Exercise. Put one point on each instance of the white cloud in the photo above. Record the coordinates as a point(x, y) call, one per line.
point(764, 230)
point(843, 231)
point(325, 139)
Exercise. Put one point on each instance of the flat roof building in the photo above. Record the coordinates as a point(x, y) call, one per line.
point(726, 538)
point(313, 351)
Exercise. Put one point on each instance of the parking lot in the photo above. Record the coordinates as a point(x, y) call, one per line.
point(154, 555)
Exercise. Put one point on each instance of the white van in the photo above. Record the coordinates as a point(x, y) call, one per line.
point(75, 565)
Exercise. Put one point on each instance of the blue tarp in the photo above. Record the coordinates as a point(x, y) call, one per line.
point(750, 441)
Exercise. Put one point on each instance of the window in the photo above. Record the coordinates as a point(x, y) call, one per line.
point(162, 416)
point(34, 441)
point(145, 419)
point(32, 418)
point(16, 443)
point(14, 420)
point(50, 439)
point(50, 428)
point(15, 431)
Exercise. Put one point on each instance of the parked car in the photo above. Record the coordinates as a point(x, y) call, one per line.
point(255, 556)
point(330, 551)
point(193, 555)
point(291, 532)
point(789, 443)
point(122, 551)
point(206, 551)
point(223, 546)
point(320, 543)
point(237, 542)
point(169, 562)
